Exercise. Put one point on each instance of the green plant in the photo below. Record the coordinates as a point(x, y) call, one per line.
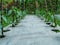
point(13, 12)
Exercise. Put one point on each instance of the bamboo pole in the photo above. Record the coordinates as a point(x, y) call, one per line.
point(54, 20)
point(13, 25)
point(2, 34)
point(36, 5)
point(46, 10)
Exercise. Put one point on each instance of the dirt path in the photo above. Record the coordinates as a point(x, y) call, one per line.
point(31, 31)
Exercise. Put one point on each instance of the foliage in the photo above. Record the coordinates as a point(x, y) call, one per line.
point(18, 9)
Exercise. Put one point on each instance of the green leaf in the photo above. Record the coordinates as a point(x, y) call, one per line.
point(24, 12)
point(4, 18)
point(20, 13)
point(0, 26)
point(10, 12)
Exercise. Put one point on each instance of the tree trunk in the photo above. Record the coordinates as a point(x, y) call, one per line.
point(46, 10)
point(1, 20)
point(54, 20)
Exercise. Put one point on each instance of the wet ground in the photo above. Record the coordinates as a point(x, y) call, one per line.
point(31, 31)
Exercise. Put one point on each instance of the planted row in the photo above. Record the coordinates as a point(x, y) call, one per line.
point(10, 15)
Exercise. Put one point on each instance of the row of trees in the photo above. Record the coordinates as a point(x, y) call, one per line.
point(50, 10)
point(16, 9)
point(10, 13)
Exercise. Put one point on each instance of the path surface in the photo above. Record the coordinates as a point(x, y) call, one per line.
point(31, 31)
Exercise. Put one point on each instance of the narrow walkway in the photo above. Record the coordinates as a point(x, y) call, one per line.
point(31, 31)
